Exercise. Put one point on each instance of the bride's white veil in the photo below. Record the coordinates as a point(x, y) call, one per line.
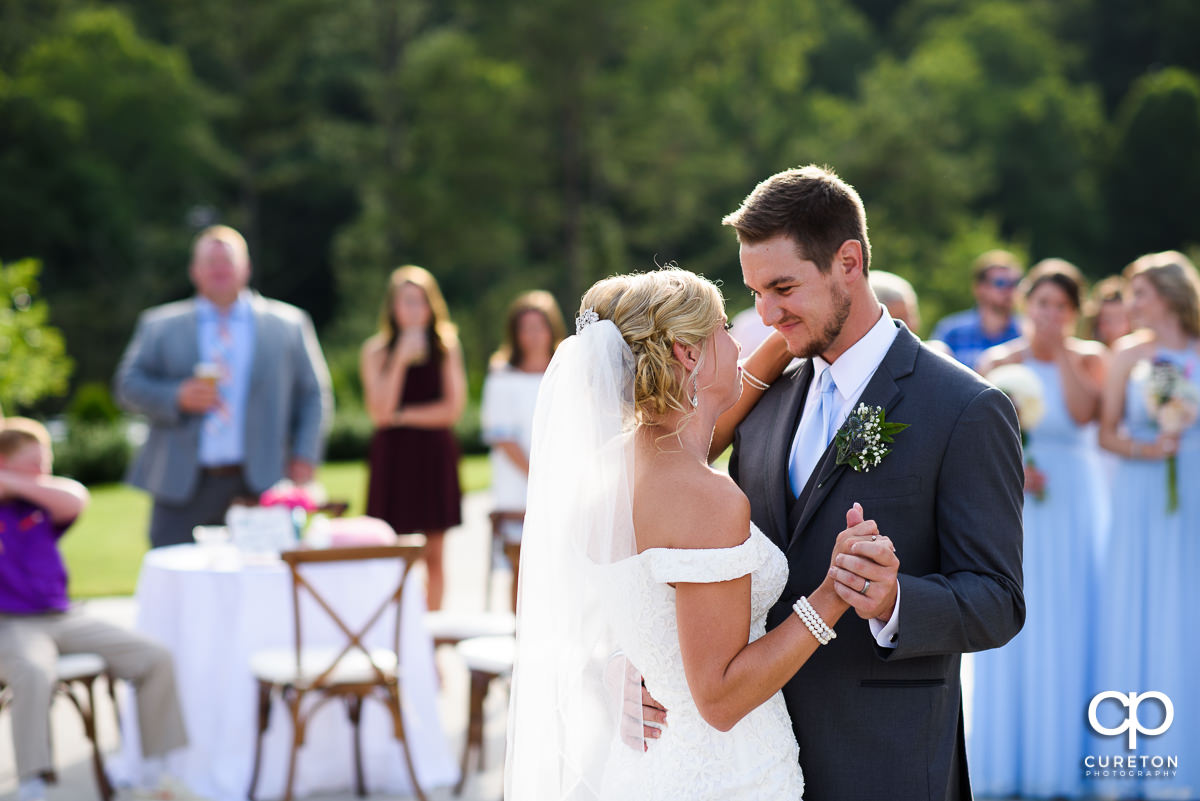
point(570, 681)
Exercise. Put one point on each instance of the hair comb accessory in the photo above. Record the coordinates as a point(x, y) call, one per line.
point(585, 318)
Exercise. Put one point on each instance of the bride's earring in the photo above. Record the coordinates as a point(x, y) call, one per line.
point(695, 396)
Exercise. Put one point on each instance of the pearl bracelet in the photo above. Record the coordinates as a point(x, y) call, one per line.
point(816, 626)
point(754, 381)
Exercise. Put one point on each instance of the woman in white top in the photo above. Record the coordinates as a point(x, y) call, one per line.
point(531, 333)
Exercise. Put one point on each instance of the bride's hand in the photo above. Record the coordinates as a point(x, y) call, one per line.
point(865, 567)
point(759, 370)
point(857, 530)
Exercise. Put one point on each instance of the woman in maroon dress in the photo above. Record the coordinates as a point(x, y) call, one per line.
point(415, 390)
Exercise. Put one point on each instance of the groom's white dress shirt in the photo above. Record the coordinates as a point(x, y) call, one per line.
point(850, 373)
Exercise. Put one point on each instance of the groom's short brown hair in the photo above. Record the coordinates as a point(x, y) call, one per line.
point(811, 205)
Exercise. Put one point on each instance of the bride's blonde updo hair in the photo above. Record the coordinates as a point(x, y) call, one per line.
point(653, 311)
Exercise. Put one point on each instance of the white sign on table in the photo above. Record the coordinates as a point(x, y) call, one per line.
point(261, 529)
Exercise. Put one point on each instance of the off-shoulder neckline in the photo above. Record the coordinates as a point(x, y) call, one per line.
point(749, 539)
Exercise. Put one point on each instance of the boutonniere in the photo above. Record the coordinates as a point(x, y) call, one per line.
point(863, 439)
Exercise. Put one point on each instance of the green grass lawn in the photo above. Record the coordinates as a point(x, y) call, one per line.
point(104, 549)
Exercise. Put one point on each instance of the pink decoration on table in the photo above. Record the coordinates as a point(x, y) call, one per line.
point(347, 532)
point(293, 497)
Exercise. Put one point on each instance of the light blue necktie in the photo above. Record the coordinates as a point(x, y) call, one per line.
point(816, 430)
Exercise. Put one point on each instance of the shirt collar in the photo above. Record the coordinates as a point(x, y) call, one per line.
point(240, 310)
point(854, 367)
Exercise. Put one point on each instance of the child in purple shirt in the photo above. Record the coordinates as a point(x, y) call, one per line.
point(35, 509)
point(37, 623)
point(33, 578)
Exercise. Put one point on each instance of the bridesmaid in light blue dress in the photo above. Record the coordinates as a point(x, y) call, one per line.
point(1151, 583)
point(1030, 696)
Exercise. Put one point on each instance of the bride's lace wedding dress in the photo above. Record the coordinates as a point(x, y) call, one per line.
point(758, 758)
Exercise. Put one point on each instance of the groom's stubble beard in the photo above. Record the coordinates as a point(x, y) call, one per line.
point(839, 300)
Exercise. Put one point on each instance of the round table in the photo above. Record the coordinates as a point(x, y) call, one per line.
point(213, 608)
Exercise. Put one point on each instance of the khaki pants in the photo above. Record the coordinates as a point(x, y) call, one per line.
point(29, 649)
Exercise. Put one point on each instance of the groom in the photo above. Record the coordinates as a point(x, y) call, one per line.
point(877, 712)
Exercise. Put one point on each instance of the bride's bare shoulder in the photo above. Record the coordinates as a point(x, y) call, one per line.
point(695, 508)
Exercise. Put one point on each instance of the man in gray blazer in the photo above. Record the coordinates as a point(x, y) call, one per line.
point(877, 712)
point(235, 389)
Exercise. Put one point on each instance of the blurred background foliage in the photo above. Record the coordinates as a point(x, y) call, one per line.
point(33, 359)
point(508, 146)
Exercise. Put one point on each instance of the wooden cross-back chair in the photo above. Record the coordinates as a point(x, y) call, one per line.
point(352, 672)
point(80, 670)
point(452, 627)
point(500, 521)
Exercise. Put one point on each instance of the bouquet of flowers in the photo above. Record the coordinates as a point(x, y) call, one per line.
point(299, 499)
point(293, 496)
point(1173, 402)
point(1024, 389)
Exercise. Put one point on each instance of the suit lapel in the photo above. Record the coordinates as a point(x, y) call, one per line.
point(260, 360)
point(881, 390)
point(779, 446)
point(189, 321)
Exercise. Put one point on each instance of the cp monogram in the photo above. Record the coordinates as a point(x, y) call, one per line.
point(1132, 724)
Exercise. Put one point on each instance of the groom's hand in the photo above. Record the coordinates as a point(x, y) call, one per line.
point(638, 709)
point(865, 560)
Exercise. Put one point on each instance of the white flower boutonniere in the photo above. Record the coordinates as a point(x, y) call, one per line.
point(863, 439)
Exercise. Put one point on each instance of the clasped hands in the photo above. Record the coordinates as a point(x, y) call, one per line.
point(864, 568)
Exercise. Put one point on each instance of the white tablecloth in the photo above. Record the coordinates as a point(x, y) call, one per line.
point(213, 613)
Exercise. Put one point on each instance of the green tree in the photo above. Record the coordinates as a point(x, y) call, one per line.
point(519, 145)
point(1123, 39)
point(33, 360)
point(1039, 130)
point(106, 149)
point(1153, 177)
point(948, 170)
point(24, 22)
point(469, 219)
point(909, 154)
point(696, 119)
point(289, 81)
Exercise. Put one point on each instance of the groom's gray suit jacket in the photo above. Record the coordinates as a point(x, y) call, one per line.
point(876, 723)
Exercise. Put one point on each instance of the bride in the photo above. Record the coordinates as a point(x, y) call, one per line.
point(640, 567)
